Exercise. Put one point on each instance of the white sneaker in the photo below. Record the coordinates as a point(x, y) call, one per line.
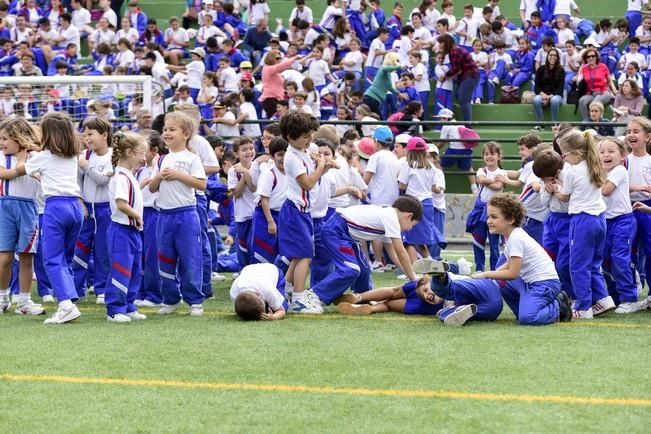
point(310, 304)
point(377, 267)
point(216, 277)
point(136, 316)
point(147, 303)
point(14, 298)
point(5, 303)
point(430, 266)
point(169, 308)
point(402, 277)
point(630, 307)
point(582, 314)
point(389, 267)
point(29, 308)
point(648, 302)
point(47, 299)
point(118, 317)
point(638, 283)
point(477, 100)
point(62, 316)
point(196, 310)
point(90, 290)
point(99, 299)
point(138, 302)
point(602, 306)
point(460, 315)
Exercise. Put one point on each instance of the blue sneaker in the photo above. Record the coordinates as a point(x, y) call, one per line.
point(458, 315)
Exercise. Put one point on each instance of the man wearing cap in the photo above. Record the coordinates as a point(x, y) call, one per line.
point(381, 176)
point(256, 40)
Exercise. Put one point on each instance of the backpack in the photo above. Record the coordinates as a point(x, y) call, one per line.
point(468, 134)
point(510, 95)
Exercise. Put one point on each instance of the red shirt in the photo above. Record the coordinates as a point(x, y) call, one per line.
point(596, 79)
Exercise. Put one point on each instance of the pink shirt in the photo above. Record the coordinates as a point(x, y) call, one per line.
point(272, 81)
point(596, 79)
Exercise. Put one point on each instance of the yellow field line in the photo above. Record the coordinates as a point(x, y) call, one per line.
point(358, 391)
point(328, 316)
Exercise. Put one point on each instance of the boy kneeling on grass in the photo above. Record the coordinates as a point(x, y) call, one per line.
point(258, 293)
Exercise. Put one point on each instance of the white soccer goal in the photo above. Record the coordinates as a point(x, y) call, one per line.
point(120, 96)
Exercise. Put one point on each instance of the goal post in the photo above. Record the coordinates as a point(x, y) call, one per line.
point(35, 96)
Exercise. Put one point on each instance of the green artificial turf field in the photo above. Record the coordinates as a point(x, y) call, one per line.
point(328, 373)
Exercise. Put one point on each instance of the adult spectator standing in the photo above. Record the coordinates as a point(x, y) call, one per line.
point(256, 40)
point(598, 82)
point(272, 82)
point(116, 5)
point(550, 80)
point(463, 69)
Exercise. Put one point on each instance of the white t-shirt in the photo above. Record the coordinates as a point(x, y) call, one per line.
point(325, 189)
point(148, 198)
point(95, 178)
point(439, 72)
point(383, 188)
point(528, 6)
point(423, 84)
point(228, 78)
point(480, 58)
point(636, 5)
point(180, 35)
point(305, 15)
point(71, 35)
point(298, 163)
point(112, 18)
point(318, 70)
point(173, 193)
point(506, 57)
point(228, 131)
point(272, 184)
point(245, 204)
point(371, 222)
point(639, 173)
point(131, 35)
point(552, 202)
point(451, 132)
point(405, 47)
point(536, 263)
point(438, 199)
point(356, 181)
point(565, 35)
point(200, 146)
point(195, 71)
point(419, 181)
point(124, 186)
point(486, 193)
point(470, 26)
point(355, 56)
point(100, 36)
point(534, 208)
point(251, 130)
point(257, 12)
point(330, 15)
point(641, 33)
point(341, 177)
point(375, 60)
point(58, 174)
point(262, 278)
point(125, 58)
point(619, 201)
point(22, 186)
point(80, 18)
point(584, 195)
point(564, 7)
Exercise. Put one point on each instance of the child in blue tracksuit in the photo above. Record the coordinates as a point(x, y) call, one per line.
point(149, 294)
point(501, 63)
point(18, 215)
point(242, 187)
point(527, 279)
point(582, 188)
point(95, 170)
point(621, 228)
point(417, 178)
point(296, 231)
point(176, 177)
point(412, 298)
point(348, 227)
point(407, 91)
point(271, 194)
point(523, 65)
point(476, 223)
point(551, 170)
point(56, 166)
point(123, 238)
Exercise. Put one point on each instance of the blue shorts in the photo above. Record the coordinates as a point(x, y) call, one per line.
point(19, 223)
point(464, 162)
point(296, 232)
point(414, 305)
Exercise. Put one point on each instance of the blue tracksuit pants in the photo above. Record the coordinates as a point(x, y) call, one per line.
point(264, 246)
point(618, 262)
point(206, 255)
point(179, 248)
point(320, 266)
point(534, 228)
point(151, 280)
point(532, 303)
point(62, 222)
point(477, 227)
point(92, 240)
point(556, 242)
point(243, 240)
point(642, 243)
point(587, 240)
point(125, 278)
point(484, 293)
point(351, 268)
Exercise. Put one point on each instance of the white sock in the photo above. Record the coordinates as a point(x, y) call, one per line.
point(66, 305)
point(4, 293)
point(24, 298)
point(298, 296)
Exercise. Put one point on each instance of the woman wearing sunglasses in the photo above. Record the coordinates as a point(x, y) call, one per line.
point(598, 83)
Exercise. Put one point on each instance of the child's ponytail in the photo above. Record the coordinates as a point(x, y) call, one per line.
point(123, 141)
point(596, 169)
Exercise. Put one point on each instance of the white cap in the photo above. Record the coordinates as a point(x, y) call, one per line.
point(433, 148)
point(403, 138)
point(591, 41)
point(446, 113)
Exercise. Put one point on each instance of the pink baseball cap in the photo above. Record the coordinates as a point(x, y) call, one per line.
point(417, 144)
point(365, 148)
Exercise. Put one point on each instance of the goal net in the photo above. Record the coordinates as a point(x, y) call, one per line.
point(119, 98)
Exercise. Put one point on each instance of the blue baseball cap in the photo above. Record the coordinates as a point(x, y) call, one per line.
point(383, 135)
